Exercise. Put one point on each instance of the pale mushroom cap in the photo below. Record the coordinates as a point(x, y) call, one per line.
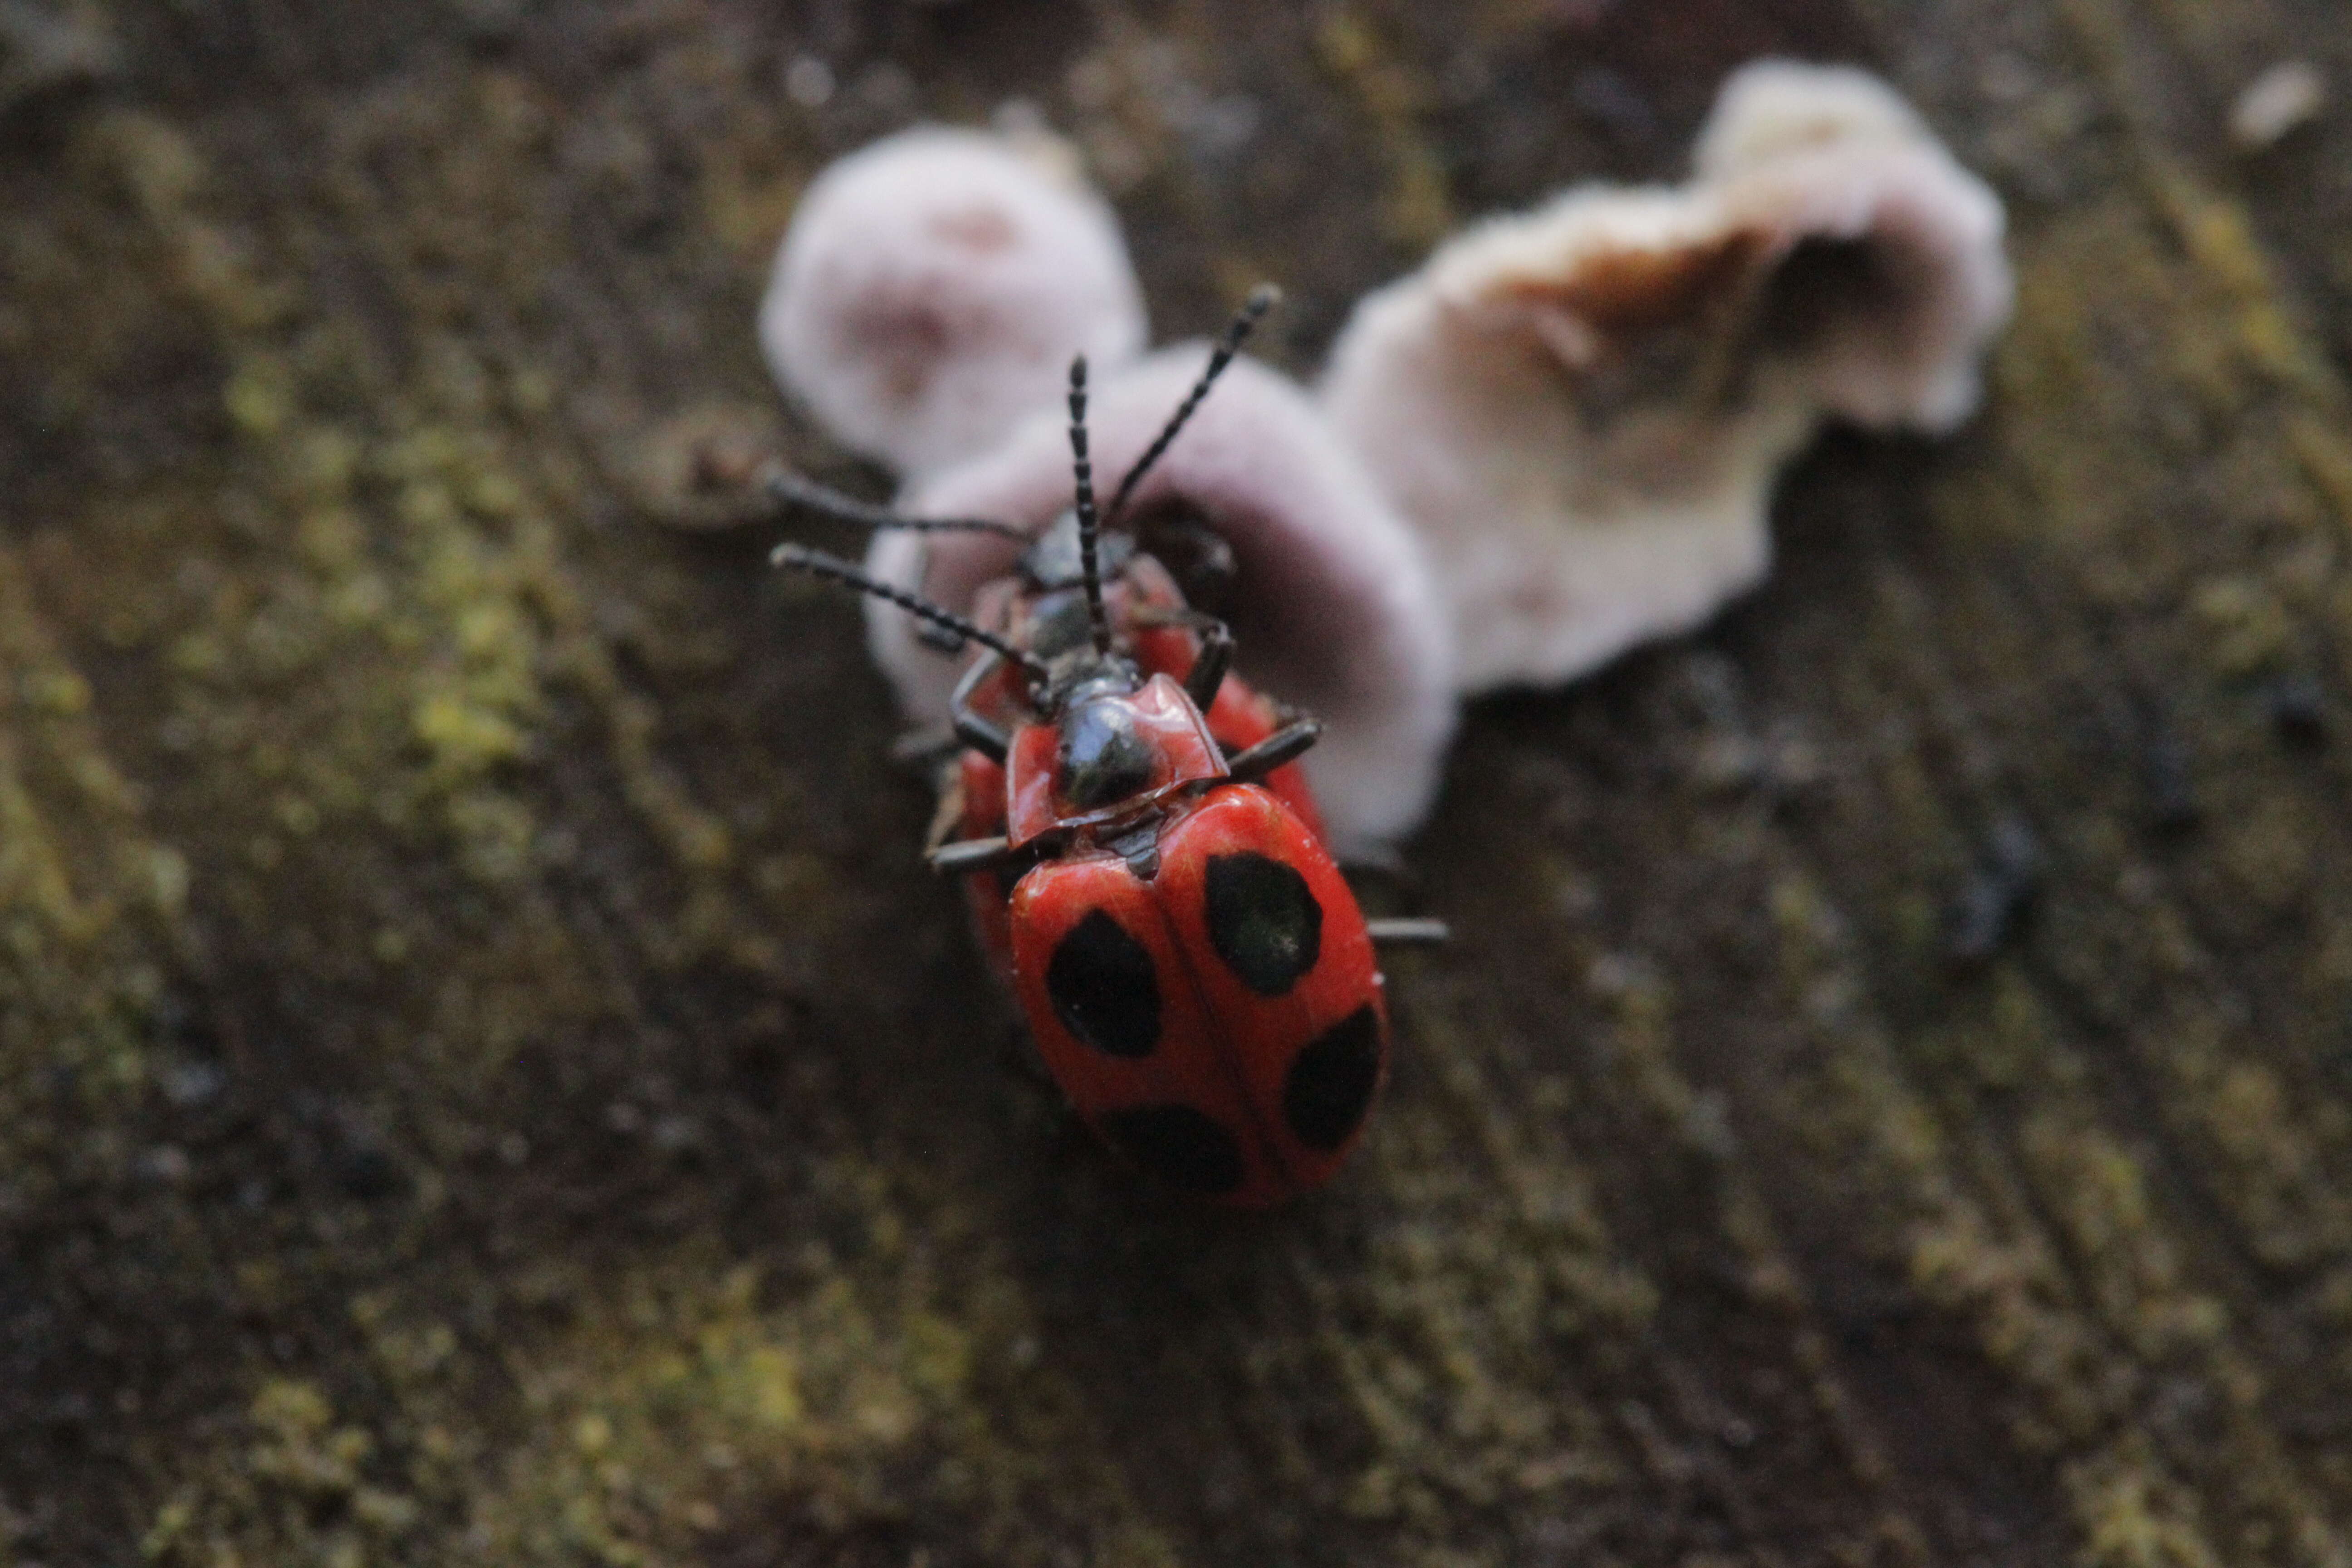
point(1575, 498)
point(933, 287)
point(1771, 109)
point(1888, 277)
point(1334, 609)
point(1582, 408)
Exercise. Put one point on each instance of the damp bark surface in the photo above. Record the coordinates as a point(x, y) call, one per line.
point(485, 1078)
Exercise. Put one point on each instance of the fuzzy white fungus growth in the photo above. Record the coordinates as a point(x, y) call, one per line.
point(1333, 608)
point(1886, 273)
point(1582, 408)
point(933, 287)
point(1771, 109)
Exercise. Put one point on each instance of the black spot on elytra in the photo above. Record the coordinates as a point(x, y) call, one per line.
point(1331, 1082)
point(1183, 1147)
point(1263, 920)
point(1103, 988)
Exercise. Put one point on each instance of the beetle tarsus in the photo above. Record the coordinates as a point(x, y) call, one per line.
point(1284, 745)
point(1401, 932)
point(1208, 672)
point(983, 737)
point(965, 854)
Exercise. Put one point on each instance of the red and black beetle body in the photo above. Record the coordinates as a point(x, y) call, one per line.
point(1195, 969)
point(1220, 1021)
point(1147, 864)
point(1151, 625)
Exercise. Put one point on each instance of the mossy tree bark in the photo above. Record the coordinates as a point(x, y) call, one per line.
point(484, 1075)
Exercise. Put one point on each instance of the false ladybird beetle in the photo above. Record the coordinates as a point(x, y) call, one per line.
point(1195, 970)
point(1042, 607)
point(1154, 629)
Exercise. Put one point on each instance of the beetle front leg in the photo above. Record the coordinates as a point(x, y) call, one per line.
point(1408, 932)
point(1285, 744)
point(980, 734)
point(1208, 673)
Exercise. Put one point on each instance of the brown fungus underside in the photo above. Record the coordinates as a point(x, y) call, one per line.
point(484, 1076)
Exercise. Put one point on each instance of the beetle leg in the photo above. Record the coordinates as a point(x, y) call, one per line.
point(1208, 672)
point(981, 735)
point(967, 855)
point(1406, 932)
point(1285, 744)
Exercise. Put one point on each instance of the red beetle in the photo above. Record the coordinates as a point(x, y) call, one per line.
point(1155, 630)
point(1196, 971)
point(1041, 608)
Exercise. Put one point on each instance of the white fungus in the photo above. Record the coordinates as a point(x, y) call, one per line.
point(1582, 408)
point(1771, 109)
point(1333, 608)
point(1885, 272)
point(933, 287)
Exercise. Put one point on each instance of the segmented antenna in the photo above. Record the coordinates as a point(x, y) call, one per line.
point(1263, 298)
point(789, 489)
point(817, 562)
point(1098, 619)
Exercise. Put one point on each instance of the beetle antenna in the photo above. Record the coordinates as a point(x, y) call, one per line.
point(1098, 619)
point(788, 489)
point(1263, 298)
point(817, 562)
